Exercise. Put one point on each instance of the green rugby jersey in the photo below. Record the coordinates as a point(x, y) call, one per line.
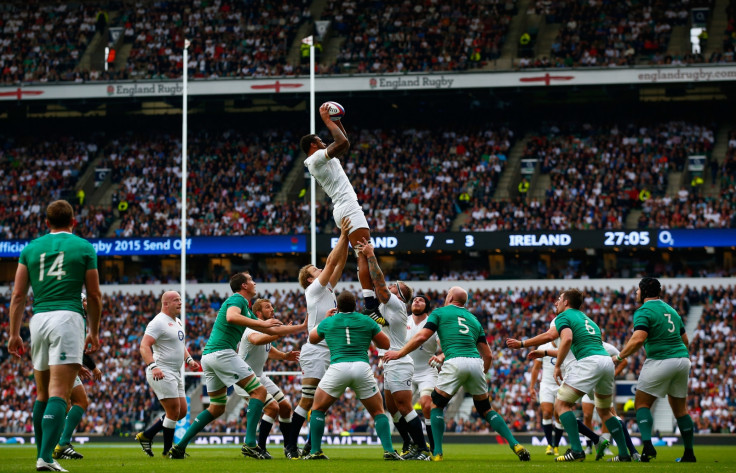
point(348, 336)
point(224, 335)
point(458, 330)
point(665, 328)
point(586, 335)
point(57, 267)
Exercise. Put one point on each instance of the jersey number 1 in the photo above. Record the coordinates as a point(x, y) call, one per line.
point(56, 269)
point(347, 334)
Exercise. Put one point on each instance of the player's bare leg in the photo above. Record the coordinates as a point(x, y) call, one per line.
point(643, 402)
point(603, 405)
point(53, 387)
point(374, 406)
point(364, 275)
point(322, 402)
point(497, 423)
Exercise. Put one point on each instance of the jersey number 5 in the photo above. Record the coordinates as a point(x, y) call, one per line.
point(463, 328)
point(56, 269)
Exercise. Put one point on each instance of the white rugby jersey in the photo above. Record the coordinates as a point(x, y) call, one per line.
point(426, 350)
point(394, 311)
point(168, 350)
point(254, 355)
point(320, 299)
point(331, 176)
point(548, 365)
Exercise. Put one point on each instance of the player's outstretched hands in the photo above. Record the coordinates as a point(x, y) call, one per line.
point(390, 355)
point(535, 354)
point(268, 323)
point(331, 312)
point(365, 247)
point(345, 226)
point(92, 343)
point(293, 355)
point(324, 113)
point(84, 373)
point(513, 343)
point(15, 345)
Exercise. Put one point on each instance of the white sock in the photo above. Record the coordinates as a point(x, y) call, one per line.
point(368, 293)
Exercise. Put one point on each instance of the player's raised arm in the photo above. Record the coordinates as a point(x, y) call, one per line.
point(235, 317)
point(339, 254)
point(379, 280)
point(341, 143)
point(381, 341)
point(540, 339)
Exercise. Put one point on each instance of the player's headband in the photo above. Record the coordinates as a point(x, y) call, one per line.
point(401, 294)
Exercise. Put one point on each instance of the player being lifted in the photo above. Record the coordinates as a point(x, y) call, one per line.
point(467, 358)
point(348, 335)
point(591, 372)
point(255, 348)
point(323, 164)
point(397, 374)
point(314, 359)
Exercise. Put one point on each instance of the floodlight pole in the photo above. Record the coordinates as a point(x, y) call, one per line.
point(184, 125)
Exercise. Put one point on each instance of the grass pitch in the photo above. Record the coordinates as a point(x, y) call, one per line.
point(458, 459)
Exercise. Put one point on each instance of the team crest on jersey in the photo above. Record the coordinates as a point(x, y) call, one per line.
point(181, 335)
point(171, 324)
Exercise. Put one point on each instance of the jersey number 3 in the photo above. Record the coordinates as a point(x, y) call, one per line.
point(56, 269)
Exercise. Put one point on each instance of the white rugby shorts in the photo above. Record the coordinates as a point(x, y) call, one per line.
point(171, 386)
point(424, 381)
point(356, 375)
point(224, 368)
point(314, 360)
point(354, 212)
point(397, 375)
point(662, 378)
point(465, 372)
point(57, 338)
point(548, 392)
point(592, 374)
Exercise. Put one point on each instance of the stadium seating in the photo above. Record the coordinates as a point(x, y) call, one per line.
point(43, 171)
point(44, 41)
point(397, 36)
point(229, 38)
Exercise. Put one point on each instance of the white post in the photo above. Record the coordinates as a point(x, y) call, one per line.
point(312, 182)
point(184, 112)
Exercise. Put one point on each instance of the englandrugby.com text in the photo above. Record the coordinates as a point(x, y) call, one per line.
point(688, 74)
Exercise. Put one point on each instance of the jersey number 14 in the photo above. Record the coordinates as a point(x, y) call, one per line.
point(56, 269)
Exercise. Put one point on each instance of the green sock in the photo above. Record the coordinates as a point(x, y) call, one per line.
point(438, 429)
point(38, 408)
point(685, 423)
point(255, 410)
point(52, 424)
point(570, 423)
point(645, 421)
point(499, 425)
point(73, 418)
point(316, 430)
point(204, 418)
point(617, 432)
point(383, 429)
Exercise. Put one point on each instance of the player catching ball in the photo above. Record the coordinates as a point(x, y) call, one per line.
point(324, 166)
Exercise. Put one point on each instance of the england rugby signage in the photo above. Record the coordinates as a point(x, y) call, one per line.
point(368, 83)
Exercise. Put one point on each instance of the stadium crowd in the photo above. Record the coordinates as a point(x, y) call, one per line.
point(514, 312)
point(583, 194)
point(229, 38)
point(399, 36)
point(42, 171)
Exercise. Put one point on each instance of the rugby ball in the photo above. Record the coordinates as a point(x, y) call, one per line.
point(336, 111)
